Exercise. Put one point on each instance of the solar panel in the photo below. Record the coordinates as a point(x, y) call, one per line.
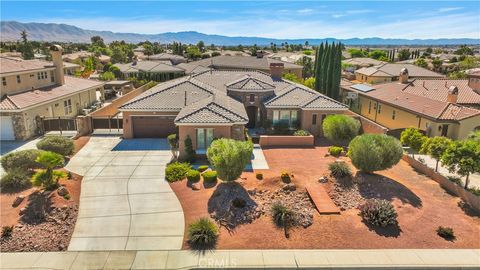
point(362, 87)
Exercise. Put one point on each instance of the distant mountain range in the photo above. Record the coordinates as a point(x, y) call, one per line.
point(10, 31)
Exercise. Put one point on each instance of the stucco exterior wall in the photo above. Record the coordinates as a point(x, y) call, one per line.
point(306, 120)
point(184, 131)
point(127, 121)
point(372, 79)
point(27, 81)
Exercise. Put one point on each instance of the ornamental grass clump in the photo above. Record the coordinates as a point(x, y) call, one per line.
point(378, 212)
point(282, 217)
point(446, 233)
point(202, 234)
point(339, 169)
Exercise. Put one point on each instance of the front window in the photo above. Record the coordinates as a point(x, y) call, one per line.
point(379, 108)
point(204, 138)
point(252, 98)
point(67, 105)
point(393, 115)
point(285, 117)
point(314, 119)
point(19, 80)
point(4, 81)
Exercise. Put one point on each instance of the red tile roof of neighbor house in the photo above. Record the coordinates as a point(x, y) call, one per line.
point(33, 97)
point(394, 94)
point(13, 64)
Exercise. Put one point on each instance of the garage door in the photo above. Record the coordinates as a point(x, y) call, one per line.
point(6, 129)
point(153, 126)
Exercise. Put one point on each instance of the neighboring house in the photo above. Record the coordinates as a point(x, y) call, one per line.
point(70, 68)
point(192, 68)
point(172, 59)
point(32, 89)
point(290, 57)
point(389, 72)
point(360, 62)
point(247, 63)
point(436, 106)
point(215, 103)
point(150, 70)
point(81, 56)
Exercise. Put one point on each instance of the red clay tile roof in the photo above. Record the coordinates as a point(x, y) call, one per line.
point(438, 89)
point(33, 97)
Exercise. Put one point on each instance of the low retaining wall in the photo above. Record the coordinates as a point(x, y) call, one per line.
point(267, 140)
point(367, 125)
point(448, 185)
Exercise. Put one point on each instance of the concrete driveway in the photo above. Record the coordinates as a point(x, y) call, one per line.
point(125, 202)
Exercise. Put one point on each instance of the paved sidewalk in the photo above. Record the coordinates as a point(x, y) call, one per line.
point(252, 259)
point(125, 202)
point(258, 160)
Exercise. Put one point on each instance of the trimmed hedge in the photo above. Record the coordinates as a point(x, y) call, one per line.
point(24, 160)
point(210, 176)
point(16, 178)
point(193, 176)
point(301, 132)
point(335, 150)
point(57, 144)
point(177, 171)
point(202, 168)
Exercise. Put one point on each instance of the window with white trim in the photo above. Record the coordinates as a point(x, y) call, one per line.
point(285, 116)
point(67, 106)
point(204, 138)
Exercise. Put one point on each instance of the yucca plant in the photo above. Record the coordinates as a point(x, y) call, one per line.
point(282, 217)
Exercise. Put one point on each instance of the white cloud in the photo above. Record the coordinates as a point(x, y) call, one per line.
point(305, 11)
point(448, 9)
point(428, 26)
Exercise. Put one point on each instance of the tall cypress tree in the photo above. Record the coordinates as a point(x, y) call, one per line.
point(318, 68)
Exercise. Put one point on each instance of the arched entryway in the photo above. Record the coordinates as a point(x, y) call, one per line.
point(252, 112)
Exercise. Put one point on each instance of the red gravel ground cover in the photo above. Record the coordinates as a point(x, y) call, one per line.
point(52, 234)
point(422, 205)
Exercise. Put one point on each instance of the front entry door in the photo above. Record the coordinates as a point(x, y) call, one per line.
point(252, 116)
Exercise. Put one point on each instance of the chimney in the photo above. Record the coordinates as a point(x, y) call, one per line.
point(259, 54)
point(403, 75)
point(452, 94)
point(276, 70)
point(134, 60)
point(474, 81)
point(56, 52)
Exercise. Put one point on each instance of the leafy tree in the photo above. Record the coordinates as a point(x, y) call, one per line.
point(193, 53)
point(470, 62)
point(374, 152)
point(97, 41)
point(307, 64)
point(292, 77)
point(429, 50)
point(463, 158)
point(413, 138)
point(437, 63)
point(356, 52)
point(384, 59)
point(457, 75)
point(403, 54)
point(464, 50)
point(328, 69)
point(201, 46)
point(310, 82)
point(26, 47)
point(435, 147)
point(107, 76)
point(229, 157)
point(376, 54)
point(48, 177)
point(118, 55)
point(116, 71)
point(340, 128)
point(474, 135)
point(421, 62)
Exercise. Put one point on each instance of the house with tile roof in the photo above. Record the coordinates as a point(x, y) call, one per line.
point(172, 59)
point(225, 62)
point(439, 107)
point(158, 71)
point(388, 72)
point(32, 89)
point(221, 103)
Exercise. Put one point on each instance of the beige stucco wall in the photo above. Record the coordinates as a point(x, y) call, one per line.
point(184, 131)
point(27, 81)
point(372, 79)
point(306, 117)
point(127, 121)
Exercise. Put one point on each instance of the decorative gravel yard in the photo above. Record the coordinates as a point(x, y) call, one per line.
point(421, 204)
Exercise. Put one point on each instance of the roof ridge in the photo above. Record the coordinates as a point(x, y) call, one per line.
point(227, 109)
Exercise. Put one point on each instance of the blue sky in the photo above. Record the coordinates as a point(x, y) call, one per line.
point(278, 19)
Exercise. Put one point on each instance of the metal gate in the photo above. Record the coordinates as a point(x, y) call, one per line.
point(107, 122)
point(58, 124)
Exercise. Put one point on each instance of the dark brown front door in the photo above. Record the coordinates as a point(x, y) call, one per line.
point(252, 116)
point(153, 126)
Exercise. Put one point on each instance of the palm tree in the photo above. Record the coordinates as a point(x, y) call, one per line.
point(48, 177)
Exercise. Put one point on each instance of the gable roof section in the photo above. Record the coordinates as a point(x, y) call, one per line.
point(413, 70)
point(242, 62)
point(215, 109)
point(14, 64)
point(372, 71)
point(170, 96)
point(148, 66)
point(249, 83)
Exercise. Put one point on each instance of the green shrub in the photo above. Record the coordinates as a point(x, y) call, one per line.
point(335, 150)
point(202, 234)
point(57, 144)
point(210, 176)
point(474, 191)
point(282, 216)
point(285, 176)
point(340, 128)
point(339, 169)
point(374, 152)
point(193, 176)
point(229, 157)
point(455, 179)
point(259, 176)
point(190, 154)
point(24, 160)
point(202, 168)
point(281, 128)
point(301, 132)
point(67, 197)
point(378, 212)
point(16, 178)
point(7, 231)
point(446, 232)
point(177, 171)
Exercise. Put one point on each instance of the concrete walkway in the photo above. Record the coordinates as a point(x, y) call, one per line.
point(125, 202)
point(252, 259)
point(258, 160)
